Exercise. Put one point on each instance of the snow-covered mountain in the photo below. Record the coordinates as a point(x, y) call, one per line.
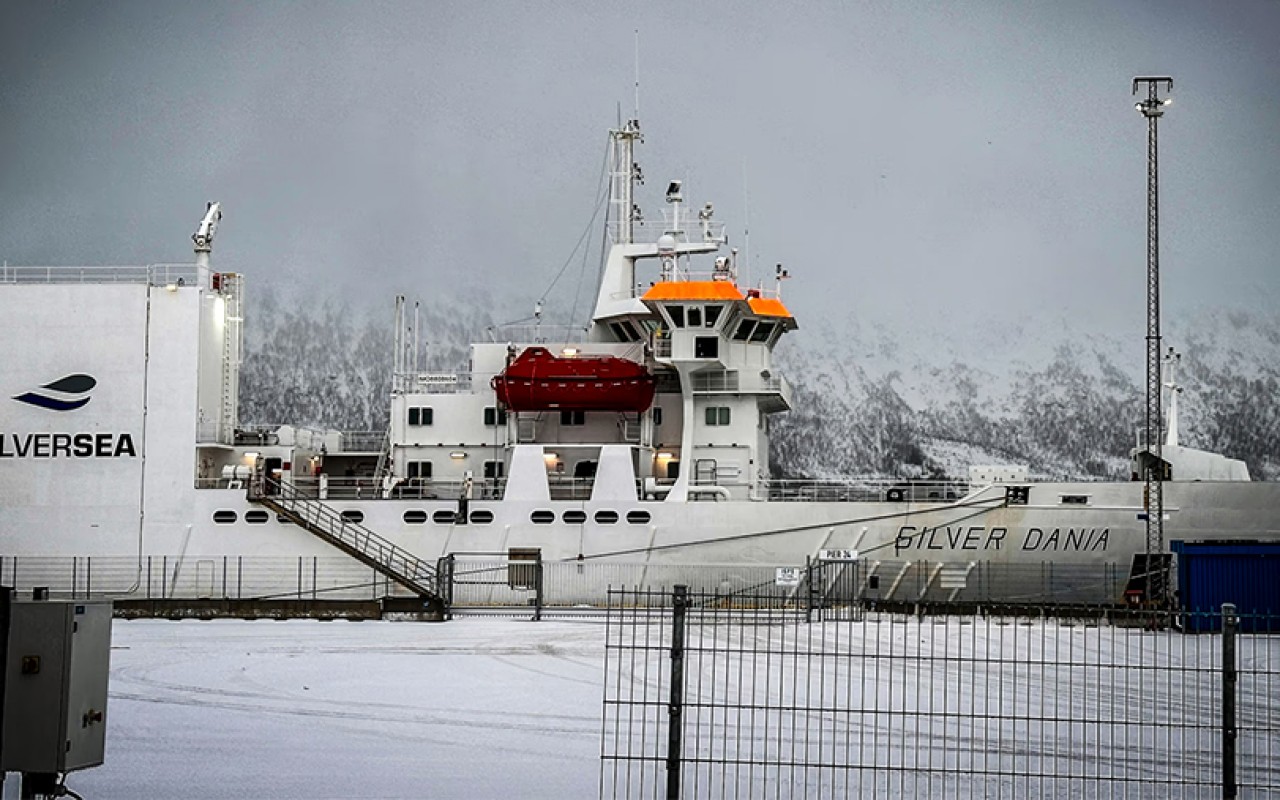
point(872, 397)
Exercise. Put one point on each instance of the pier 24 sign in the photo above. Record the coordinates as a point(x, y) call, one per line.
point(981, 538)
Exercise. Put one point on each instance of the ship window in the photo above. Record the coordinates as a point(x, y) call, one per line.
point(744, 330)
point(353, 515)
point(495, 416)
point(706, 347)
point(575, 516)
point(256, 517)
point(657, 415)
point(1017, 495)
point(420, 415)
point(482, 516)
point(224, 517)
point(606, 517)
point(762, 331)
point(414, 516)
point(1075, 499)
point(623, 331)
point(638, 517)
point(493, 470)
point(717, 415)
point(677, 315)
point(283, 520)
point(542, 517)
point(694, 317)
point(713, 314)
point(444, 516)
point(418, 469)
point(573, 418)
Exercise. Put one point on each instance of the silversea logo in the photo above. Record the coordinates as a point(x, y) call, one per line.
point(64, 394)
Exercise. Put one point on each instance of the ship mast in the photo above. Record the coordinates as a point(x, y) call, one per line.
point(624, 176)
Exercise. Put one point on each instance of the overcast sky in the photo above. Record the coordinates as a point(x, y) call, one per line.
point(900, 158)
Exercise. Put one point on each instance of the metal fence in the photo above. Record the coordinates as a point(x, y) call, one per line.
point(494, 580)
point(710, 695)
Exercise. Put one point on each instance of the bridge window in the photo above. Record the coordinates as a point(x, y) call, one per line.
point(606, 517)
point(495, 416)
point(712, 314)
point(573, 418)
point(415, 516)
point(762, 332)
point(418, 469)
point(575, 516)
point(421, 415)
point(706, 347)
point(224, 517)
point(444, 516)
point(638, 517)
point(677, 315)
point(353, 515)
point(256, 517)
point(695, 317)
point(542, 517)
point(717, 415)
point(744, 330)
point(482, 516)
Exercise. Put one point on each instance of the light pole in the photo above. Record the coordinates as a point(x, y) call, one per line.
point(1153, 107)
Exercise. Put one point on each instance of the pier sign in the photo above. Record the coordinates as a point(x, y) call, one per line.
point(837, 555)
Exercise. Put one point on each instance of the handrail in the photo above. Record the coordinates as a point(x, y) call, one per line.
point(402, 566)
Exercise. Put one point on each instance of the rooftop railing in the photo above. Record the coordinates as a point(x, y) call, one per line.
point(152, 275)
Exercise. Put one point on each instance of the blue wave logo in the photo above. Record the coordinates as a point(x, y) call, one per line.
point(64, 394)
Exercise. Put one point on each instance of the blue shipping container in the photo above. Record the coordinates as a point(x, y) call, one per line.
point(1244, 573)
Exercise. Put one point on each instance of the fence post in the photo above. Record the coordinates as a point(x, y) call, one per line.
point(537, 588)
point(675, 710)
point(808, 589)
point(1230, 625)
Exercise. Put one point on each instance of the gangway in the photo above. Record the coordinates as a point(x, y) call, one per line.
point(357, 541)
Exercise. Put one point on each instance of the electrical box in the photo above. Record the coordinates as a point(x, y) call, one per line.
point(55, 688)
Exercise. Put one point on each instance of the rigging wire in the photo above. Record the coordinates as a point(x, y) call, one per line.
point(601, 196)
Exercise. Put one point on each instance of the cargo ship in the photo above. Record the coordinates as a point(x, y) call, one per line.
point(634, 452)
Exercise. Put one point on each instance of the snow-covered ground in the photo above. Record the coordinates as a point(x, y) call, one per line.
point(476, 708)
point(507, 708)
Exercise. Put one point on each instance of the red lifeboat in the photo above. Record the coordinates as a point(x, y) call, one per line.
point(538, 381)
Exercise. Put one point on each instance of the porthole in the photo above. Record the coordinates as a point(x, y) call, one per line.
point(353, 515)
point(283, 520)
point(224, 517)
point(575, 516)
point(542, 517)
point(444, 516)
point(415, 516)
point(606, 517)
point(481, 516)
point(256, 517)
point(638, 517)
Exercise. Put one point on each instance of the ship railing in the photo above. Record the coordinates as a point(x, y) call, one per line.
point(661, 347)
point(692, 229)
point(214, 433)
point(537, 334)
point(153, 274)
point(361, 441)
point(270, 434)
point(370, 488)
point(863, 491)
point(570, 488)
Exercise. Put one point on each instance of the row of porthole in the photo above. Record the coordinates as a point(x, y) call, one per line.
point(446, 516)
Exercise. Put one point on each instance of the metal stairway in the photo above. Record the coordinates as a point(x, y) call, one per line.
point(355, 540)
